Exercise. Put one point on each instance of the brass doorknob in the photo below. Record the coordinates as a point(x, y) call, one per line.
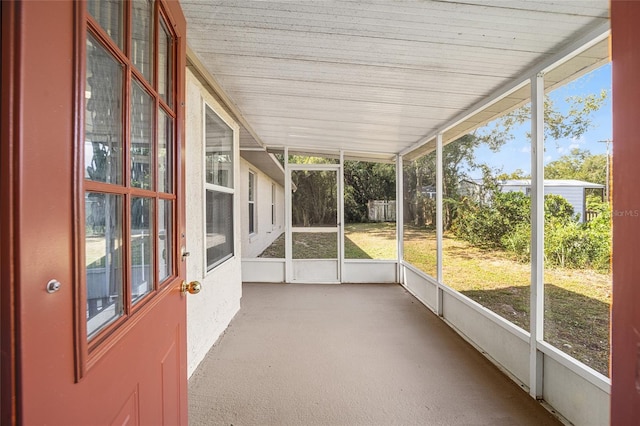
point(193, 287)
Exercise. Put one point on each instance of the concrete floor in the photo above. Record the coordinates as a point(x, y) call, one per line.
point(349, 355)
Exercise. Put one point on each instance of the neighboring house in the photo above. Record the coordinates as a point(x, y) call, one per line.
point(574, 191)
point(470, 188)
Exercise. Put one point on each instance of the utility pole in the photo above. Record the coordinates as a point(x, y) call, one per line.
point(609, 143)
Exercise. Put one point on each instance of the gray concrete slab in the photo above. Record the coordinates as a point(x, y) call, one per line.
point(362, 354)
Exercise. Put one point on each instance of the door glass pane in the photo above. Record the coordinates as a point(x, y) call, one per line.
point(103, 259)
point(108, 13)
point(141, 247)
point(142, 37)
point(165, 64)
point(103, 115)
point(219, 224)
point(315, 245)
point(219, 150)
point(141, 137)
point(165, 243)
point(165, 152)
point(314, 200)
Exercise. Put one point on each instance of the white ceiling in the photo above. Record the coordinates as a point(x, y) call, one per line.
point(376, 76)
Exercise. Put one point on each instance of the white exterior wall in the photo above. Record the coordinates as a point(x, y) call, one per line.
point(513, 188)
point(265, 232)
point(573, 194)
point(210, 311)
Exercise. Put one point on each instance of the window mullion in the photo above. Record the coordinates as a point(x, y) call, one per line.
point(127, 255)
point(138, 205)
point(156, 185)
point(126, 110)
point(156, 34)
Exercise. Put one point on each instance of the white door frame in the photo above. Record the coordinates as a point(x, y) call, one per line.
point(339, 229)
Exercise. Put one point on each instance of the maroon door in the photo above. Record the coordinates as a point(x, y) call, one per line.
point(625, 325)
point(98, 223)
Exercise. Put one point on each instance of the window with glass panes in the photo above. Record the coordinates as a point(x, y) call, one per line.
point(273, 204)
point(218, 189)
point(129, 158)
point(252, 203)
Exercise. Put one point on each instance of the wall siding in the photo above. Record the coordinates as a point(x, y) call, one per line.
point(574, 195)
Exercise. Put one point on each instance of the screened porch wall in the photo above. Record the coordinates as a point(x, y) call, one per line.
point(575, 391)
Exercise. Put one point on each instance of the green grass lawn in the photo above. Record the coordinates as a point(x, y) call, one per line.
point(577, 302)
point(362, 241)
point(370, 241)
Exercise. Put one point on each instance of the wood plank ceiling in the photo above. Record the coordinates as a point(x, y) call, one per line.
point(373, 77)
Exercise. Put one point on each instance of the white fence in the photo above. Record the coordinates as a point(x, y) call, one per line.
point(382, 211)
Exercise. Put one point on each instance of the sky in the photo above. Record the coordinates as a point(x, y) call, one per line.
point(516, 153)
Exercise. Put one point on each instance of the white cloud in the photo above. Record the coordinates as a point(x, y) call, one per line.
point(547, 158)
point(579, 140)
point(526, 149)
point(575, 143)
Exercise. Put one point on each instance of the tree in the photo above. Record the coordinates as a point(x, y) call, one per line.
point(459, 155)
point(366, 181)
point(579, 164)
point(515, 175)
point(558, 125)
point(314, 200)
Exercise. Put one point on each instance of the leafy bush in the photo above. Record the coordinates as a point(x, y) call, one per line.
point(556, 207)
point(566, 244)
point(519, 242)
point(486, 224)
point(504, 223)
point(600, 231)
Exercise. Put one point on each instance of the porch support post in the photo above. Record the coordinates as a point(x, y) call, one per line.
point(537, 236)
point(341, 219)
point(288, 246)
point(439, 221)
point(400, 217)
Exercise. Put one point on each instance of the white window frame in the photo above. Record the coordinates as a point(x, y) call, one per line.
point(218, 188)
point(273, 206)
point(251, 201)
